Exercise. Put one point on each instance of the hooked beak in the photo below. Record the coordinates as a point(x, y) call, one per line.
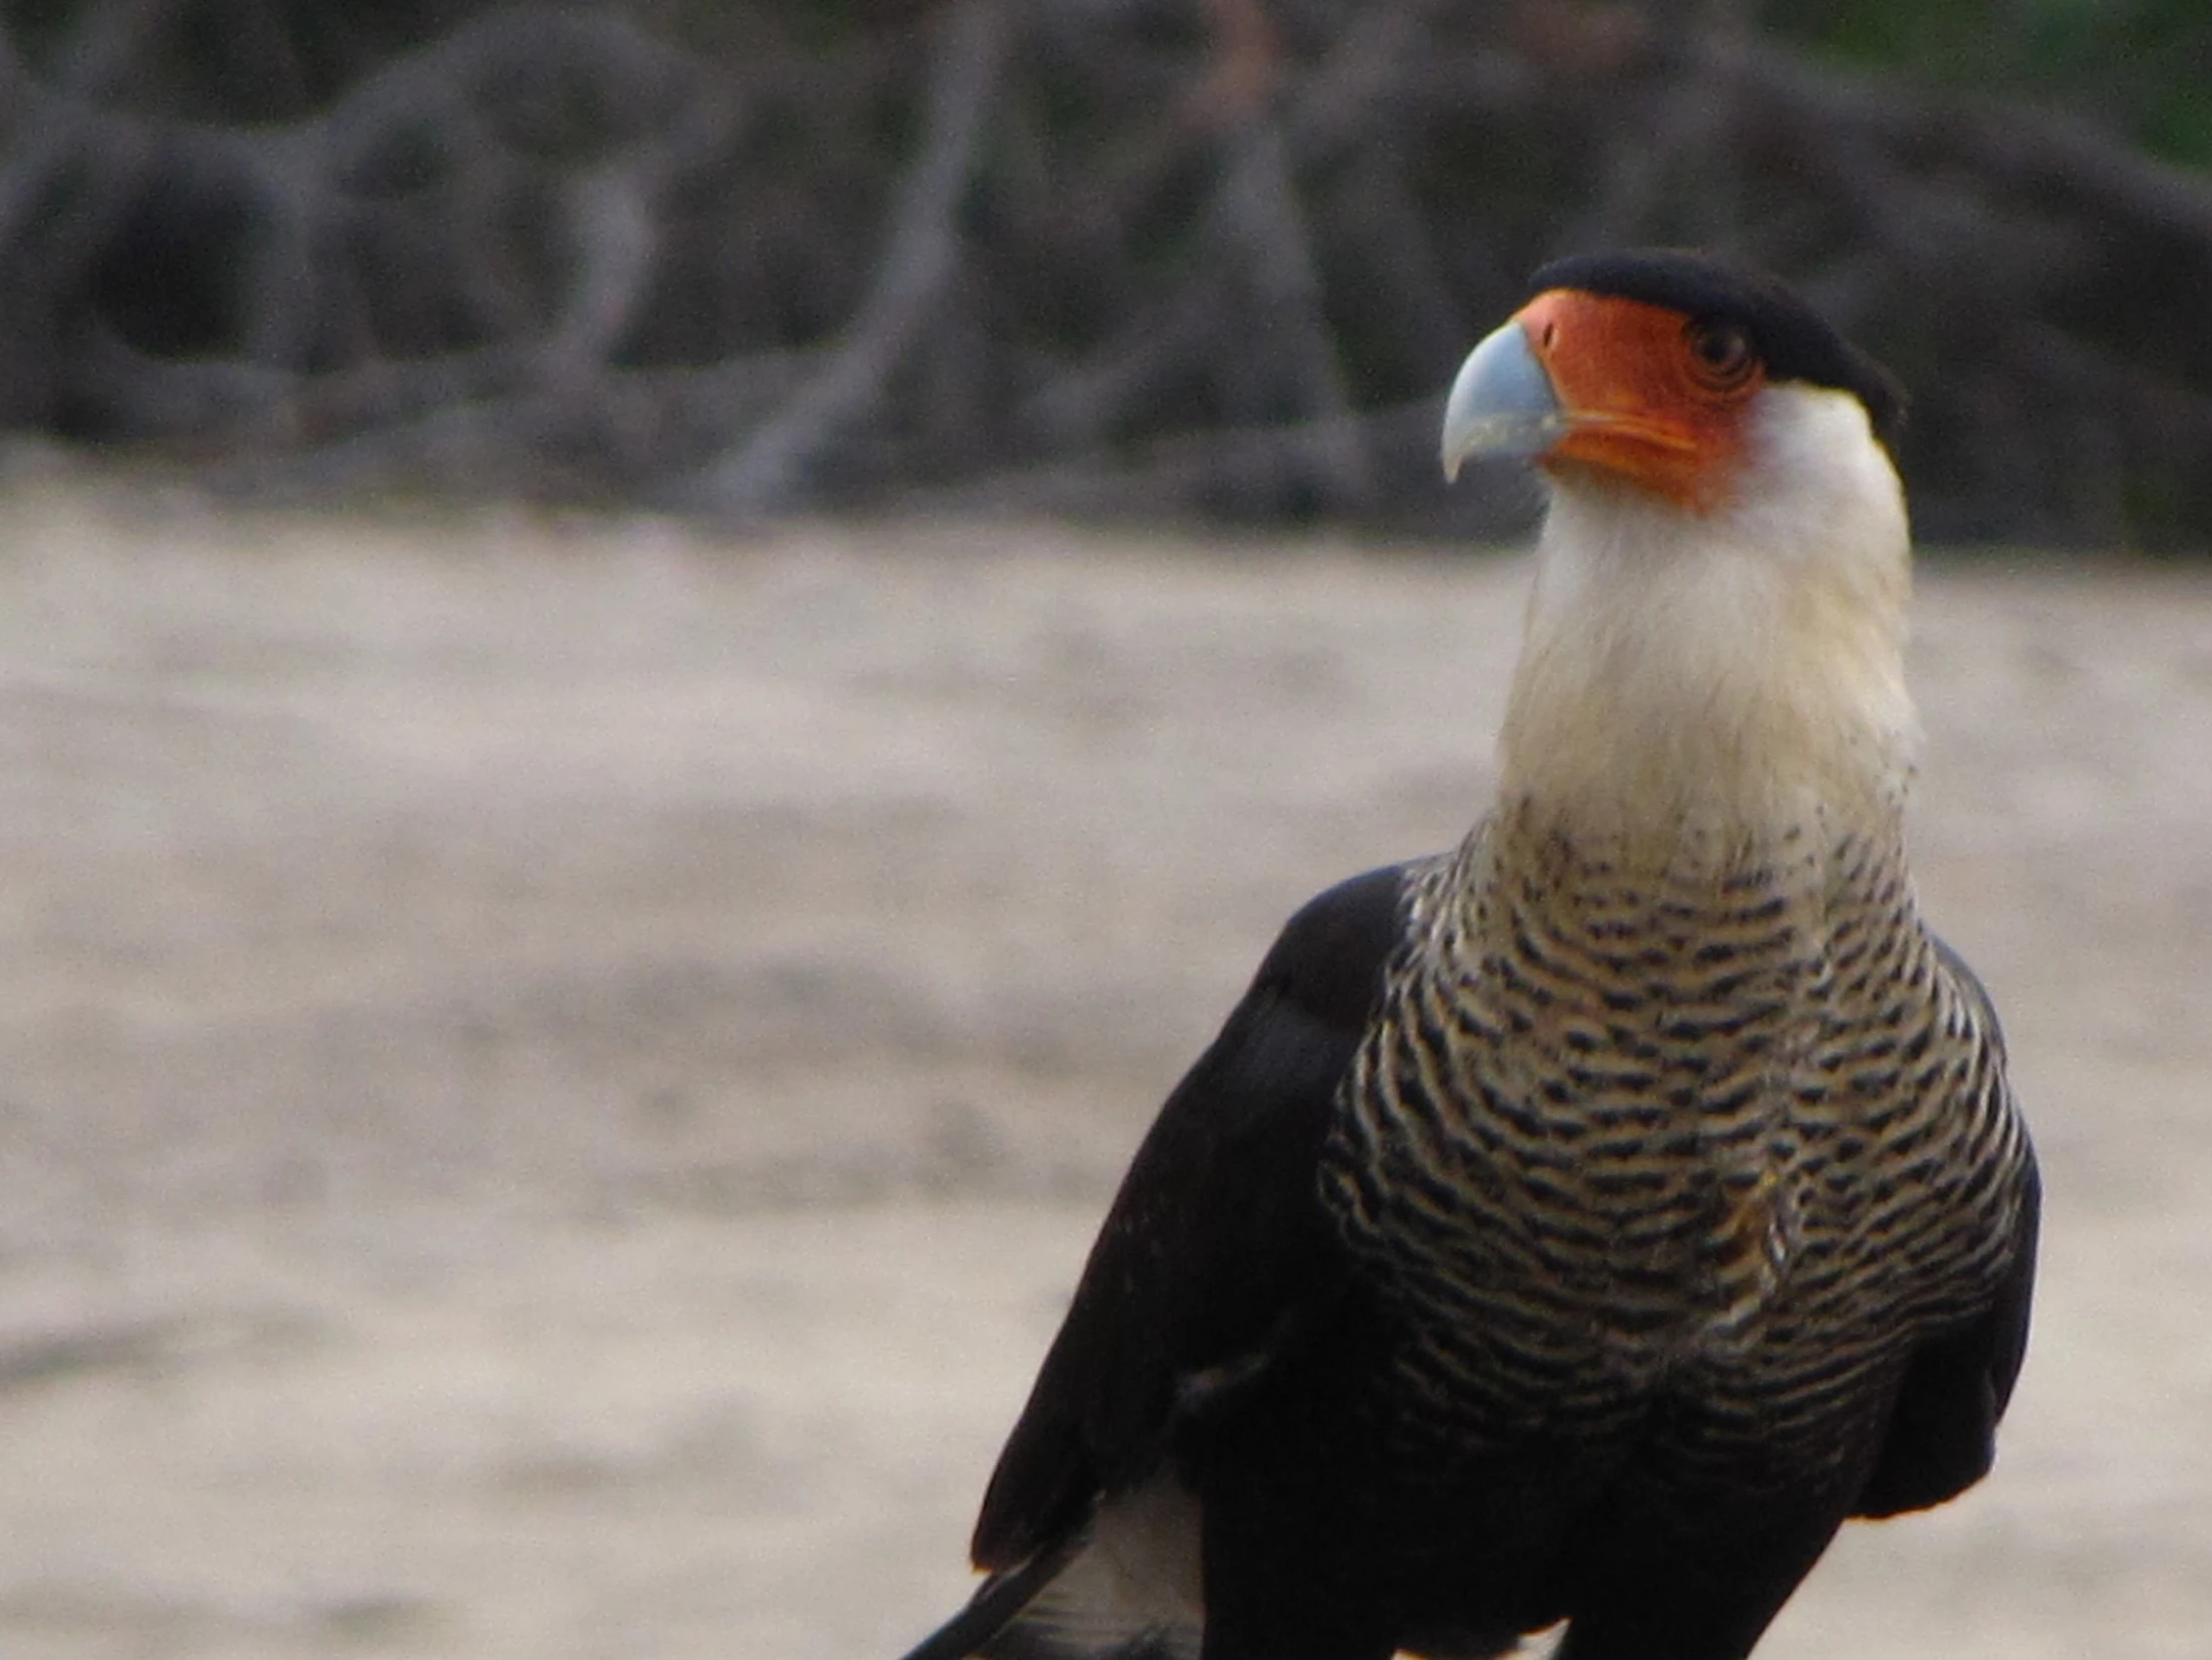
point(1502, 402)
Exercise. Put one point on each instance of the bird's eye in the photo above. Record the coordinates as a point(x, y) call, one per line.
point(1721, 355)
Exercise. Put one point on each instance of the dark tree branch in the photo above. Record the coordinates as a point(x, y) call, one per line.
point(548, 252)
point(768, 473)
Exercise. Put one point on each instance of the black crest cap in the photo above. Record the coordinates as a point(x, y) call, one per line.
point(1794, 341)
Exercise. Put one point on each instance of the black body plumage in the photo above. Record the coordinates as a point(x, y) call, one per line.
point(1570, 1226)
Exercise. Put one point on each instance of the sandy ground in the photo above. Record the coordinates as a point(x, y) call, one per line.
point(553, 1080)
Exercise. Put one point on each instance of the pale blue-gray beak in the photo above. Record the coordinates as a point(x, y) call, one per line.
point(1502, 403)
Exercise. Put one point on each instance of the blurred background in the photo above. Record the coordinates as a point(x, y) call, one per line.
point(659, 664)
point(1110, 256)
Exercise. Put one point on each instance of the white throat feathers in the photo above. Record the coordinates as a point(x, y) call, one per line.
point(1734, 673)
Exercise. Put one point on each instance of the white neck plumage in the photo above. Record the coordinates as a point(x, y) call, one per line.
point(1729, 675)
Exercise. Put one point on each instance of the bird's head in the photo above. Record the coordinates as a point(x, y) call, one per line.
point(1657, 370)
point(1719, 615)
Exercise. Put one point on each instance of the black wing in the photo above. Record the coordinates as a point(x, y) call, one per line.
point(1216, 1253)
point(1942, 1438)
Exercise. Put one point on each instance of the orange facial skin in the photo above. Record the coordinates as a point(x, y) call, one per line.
point(1650, 395)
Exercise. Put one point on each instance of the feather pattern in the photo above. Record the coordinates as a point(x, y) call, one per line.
point(1580, 1223)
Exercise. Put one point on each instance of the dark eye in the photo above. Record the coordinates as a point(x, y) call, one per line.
point(1721, 355)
